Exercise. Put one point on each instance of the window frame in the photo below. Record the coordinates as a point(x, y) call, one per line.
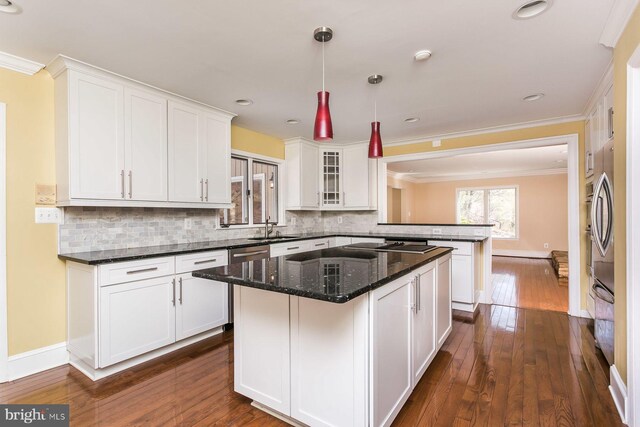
point(486, 190)
point(279, 163)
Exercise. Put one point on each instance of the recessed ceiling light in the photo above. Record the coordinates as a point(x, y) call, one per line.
point(293, 121)
point(531, 9)
point(412, 119)
point(244, 102)
point(7, 6)
point(422, 55)
point(533, 97)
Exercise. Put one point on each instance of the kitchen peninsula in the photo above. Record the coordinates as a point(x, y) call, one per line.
point(337, 336)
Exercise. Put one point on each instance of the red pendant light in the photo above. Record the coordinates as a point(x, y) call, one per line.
point(323, 128)
point(375, 142)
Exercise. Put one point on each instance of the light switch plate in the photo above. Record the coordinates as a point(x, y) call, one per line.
point(49, 216)
point(437, 143)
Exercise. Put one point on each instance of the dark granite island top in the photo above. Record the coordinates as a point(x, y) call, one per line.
point(336, 275)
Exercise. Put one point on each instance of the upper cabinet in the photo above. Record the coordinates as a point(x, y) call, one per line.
point(599, 122)
point(329, 178)
point(122, 143)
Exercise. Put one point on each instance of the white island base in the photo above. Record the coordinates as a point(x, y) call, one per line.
point(318, 363)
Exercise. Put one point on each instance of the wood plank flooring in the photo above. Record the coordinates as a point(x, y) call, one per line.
point(505, 366)
point(528, 283)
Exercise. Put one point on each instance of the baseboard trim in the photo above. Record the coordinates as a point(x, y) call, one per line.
point(619, 392)
point(38, 360)
point(521, 253)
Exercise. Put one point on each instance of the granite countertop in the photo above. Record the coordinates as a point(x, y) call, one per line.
point(436, 224)
point(335, 275)
point(120, 255)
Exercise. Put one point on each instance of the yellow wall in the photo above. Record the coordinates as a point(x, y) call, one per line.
point(542, 205)
point(576, 127)
point(627, 44)
point(35, 276)
point(258, 143)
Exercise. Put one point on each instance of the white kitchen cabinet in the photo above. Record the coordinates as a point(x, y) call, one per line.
point(607, 124)
point(262, 347)
point(201, 305)
point(465, 273)
point(343, 177)
point(122, 314)
point(289, 248)
point(358, 178)
point(302, 163)
point(423, 329)
point(391, 348)
point(120, 142)
point(588, 149)
point(443, 300)
point(145, 137)
point(91, 115)
point(599, 122)
point(199, 155)
point(126, 329)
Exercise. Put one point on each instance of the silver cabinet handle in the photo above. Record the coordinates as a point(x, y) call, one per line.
point(206, 261)
point(130, 184)
point(122, 183)
point(344, 198)
point(418, 303)
point(318, 202)
point(293, 247)
point(180, 298)
point(414, 305)
point(173, 285)
point(320, 244)
point(206, 191)
point(201, 190)
point(144, 270)
point(246, 254)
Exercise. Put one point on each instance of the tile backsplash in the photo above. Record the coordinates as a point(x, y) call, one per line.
point(99, 228)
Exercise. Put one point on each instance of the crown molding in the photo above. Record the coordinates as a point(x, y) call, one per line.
point(448, 178)
point(298, 139)
point(617, 21)
point(502, 128)
point(605, 81)
point(21, 65)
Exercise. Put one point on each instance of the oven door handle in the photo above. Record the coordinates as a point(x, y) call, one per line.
point(603, 293)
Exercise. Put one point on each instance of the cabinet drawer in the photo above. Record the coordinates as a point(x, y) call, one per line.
point(121, 272)
point(200, 261)
point(289, 248)
point(459, 248)
point(318, 244)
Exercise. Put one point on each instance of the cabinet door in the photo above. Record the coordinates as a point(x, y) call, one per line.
point(309, 184)
point(608, 115)
point(331, 169)
point(588, 150)
point(96, 138)
point(443, 299)
point(145, 139)
point(201, 305)
point(391, 377)
point(216, 138)
point(186, 160)
point(462, 287)
point(423, 327)
point(136, 318)
point(355, 177)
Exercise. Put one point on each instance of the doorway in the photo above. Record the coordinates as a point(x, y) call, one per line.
point(4, 355)
point(394, 204)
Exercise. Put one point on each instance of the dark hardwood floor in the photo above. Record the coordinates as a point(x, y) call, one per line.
point(528, 283)
point(505, 366)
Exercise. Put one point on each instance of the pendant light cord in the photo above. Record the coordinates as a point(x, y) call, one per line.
point(323, 42)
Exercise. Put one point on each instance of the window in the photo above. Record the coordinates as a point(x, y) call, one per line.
point(254, 193)
point(497, 206)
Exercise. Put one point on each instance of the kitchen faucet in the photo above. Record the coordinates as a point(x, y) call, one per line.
point(268, 231)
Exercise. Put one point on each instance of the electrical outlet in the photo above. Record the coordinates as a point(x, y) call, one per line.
point(48, 216)
point(339, 220)
point(437, 231)
point(546, 246)
point(437, 143)
point(188, 223)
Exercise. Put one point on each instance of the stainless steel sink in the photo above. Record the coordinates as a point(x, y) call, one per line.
point(273, 238)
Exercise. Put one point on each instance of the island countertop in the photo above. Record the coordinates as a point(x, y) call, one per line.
point(335, 275)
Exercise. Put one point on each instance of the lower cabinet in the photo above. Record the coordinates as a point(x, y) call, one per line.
point(124, 313)
point(424, 321)
point(135, 318)
point(465, 273)
point(444, 315)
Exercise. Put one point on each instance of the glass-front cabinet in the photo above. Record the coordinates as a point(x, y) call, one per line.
point(331, 169)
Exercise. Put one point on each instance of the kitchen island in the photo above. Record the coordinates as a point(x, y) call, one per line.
point(337, 336)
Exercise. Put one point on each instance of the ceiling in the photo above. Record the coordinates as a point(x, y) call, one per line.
point(483, 64)
point(513, 162)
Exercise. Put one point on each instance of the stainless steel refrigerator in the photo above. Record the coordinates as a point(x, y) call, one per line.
point(602, 248)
